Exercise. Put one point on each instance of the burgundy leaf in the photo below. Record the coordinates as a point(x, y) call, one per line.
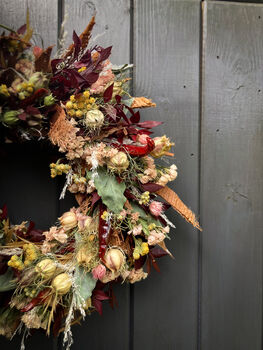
point(140, 262)
point(157, 252)
point(118, 99)
point(100, 295)
point(108, 93)
point(135, 118)
point(98, 305)
point(22, 116)
point(3, 215)
point(77, 44)
point(151, 187)
point(95, 198)
point(22, 29)
point(32, 110)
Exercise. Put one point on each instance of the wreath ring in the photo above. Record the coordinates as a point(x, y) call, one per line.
point(79, 103)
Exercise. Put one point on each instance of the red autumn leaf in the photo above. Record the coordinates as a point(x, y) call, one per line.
point(108, 93)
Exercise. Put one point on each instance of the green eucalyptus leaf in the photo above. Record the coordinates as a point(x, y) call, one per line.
point(85, 283)
point(7, 281)
point(110, 190)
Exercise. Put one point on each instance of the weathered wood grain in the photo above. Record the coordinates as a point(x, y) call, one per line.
point(231, 177)
point(166, 58)
point(112, 26)
point(113, 17)
point(43, 18)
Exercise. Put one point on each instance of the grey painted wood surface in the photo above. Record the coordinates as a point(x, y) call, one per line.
point(210, 297)
point(231, 177)
point(166, 58)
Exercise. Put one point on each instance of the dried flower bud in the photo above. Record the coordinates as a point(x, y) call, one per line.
point(46, 268)
point(94, 118)
point(10, 117)
point(62, 283)
point(68, 220)
point(119, 162)
point(49, 100)
point(114, 259)
point(156, 208)
point(99, 271)
point(38, 80)
point(162, 145)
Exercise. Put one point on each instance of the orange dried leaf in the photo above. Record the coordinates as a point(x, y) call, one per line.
point(142, 102)
point(172, 198)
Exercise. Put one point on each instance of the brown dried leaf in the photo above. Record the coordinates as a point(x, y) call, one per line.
point(142, 102)
point(172, 198)
point(42, 62)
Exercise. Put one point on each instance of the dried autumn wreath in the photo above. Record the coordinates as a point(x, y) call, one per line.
point(79, 102)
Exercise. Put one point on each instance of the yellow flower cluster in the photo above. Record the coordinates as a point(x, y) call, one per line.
point(4, 90)
point(79, 180)
point(30, 293)
point(82, 69)
point(16, 262)
point(141, 248)
point(79, 105)
point(145, 197)
point(58, 169)
point(151, 226)
point(25, 89)
point(30, 253)
point(105, 215)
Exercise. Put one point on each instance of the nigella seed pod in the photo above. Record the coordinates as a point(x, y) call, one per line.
point(38, 80)
point(94, 119)
point(49, 100)
point(114, 259)
point(68, 220)
point(10, 117)
point(46, 268)
point(119, 162)
point(62, 283)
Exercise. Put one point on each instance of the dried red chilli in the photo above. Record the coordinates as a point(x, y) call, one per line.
point(35, 301)
point(138, 151)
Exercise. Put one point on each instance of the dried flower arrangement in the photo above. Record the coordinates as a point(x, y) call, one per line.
point(80, 104)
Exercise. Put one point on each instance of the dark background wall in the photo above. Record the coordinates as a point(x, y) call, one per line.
point(202, 64)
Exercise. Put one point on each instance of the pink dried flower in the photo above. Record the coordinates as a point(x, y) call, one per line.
point(156, 208)
point(136, 230)
point(99, 272)
point(142, 139)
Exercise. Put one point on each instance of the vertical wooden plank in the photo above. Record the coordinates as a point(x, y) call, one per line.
point(43, 18)
point(166, 57)
point(111, 331)
point(112, 24)
point(232, 168)
point(25, 183)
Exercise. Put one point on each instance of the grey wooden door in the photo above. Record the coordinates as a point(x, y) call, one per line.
point(202, 63)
